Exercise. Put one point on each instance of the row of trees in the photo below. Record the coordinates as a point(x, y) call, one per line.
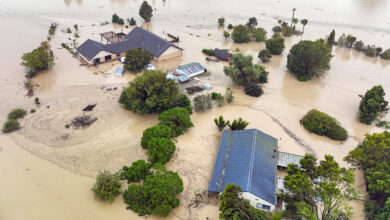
point(245, 33)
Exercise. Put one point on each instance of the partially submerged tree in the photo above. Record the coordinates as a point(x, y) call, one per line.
point(265, 55)
point(350, 40)
point(157, 131)
point(238, 124)
point(304, 23)
point(221, 21)
point(226, 34)
point(136, 59)
point(229, 95)
point(372, 103)
point(252, 22)
point(178, 119)
point(38, 60)
point(146, 11)
point(203, 102)
point(136, 172)
point(318, 191)
point(275, 44)
point(386, 55)
point(309, 58)
point(221, 123)
point(331, 39)
point(259, 34)
point(241, 34)
point(107, 186)
point(160, 150)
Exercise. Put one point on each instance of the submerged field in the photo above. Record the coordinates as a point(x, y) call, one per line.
point(53, 168)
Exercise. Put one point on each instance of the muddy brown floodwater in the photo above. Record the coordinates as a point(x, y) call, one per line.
point(47, 171)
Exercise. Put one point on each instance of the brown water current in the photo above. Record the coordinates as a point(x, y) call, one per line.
point(47, 170)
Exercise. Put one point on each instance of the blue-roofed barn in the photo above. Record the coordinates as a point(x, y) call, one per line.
point(247, 158)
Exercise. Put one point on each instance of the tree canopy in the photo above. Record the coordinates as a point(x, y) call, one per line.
point(146, 11)
point(136, 59)
point(275, 44)
point(160, 150)
point(136, 172)
point(178, 119)
point(157, 131)
point(309, 58)
point(372, 103)
point(241, 34)
point(107, 186)
point(37, 60)
point(309, 183)
point(149, 93)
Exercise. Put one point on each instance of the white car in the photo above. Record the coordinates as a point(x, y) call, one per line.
point(150, 67)
point(122, 60)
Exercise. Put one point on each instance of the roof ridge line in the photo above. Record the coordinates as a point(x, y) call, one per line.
point(252, 160)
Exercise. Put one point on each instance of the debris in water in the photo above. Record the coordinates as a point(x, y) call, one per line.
point(89, 108)
point(83, 121)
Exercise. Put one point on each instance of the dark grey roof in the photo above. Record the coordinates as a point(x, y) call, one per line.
point(246, 158)
point(284, 159)
point(137, 38)
point(221, 54)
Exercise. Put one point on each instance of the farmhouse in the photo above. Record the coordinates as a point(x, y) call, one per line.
point(247, 158)
point(92, 52)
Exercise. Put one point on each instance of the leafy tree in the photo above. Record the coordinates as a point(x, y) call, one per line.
point(275, 45)
point(138, 171)
point(378, 50)
point(287, 31)
point(309, 183)
point(146, 11)
point(221, 21)
point(184, 102)
point(369, 51)
point(304, 23)
point(203, 102)
point(233, 207)
point(386, 55)
point(254, 90)
point(37, 60)
point(178, 119)
point(160, 150)
point(226, 34)
point(136, 59)
point(17, 113)
point(132, 21)
point(341, 41)
point(265, 55)
point(157, 195)
point(208, 52)
point(349, 40)
point(230, 26)
point(323, 124)
point(359, 46)
point(229, 95)
point(252, 22)
point(372, 104)
point(221, 123)
point(115, 18)
point(218, 98)
point(309, 58)
point(241, 34)
point(107, 186)
point(331, 39)
point(149, 93)
point(259, 34)
point(157, 131)
point(238, 124)
point(10, 125)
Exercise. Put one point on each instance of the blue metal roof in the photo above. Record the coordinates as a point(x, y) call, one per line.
point(247, 158)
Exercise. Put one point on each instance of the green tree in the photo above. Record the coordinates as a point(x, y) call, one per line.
point(115, 18)
point(287, 31)
point(221, 21)
point(158, 193)
point(229, 95)
point(136, 172)
point(323, 124)
point(178, 119)
point(17, 113)
point(331, 39)
point(238, 124)
point(37, 60)
point(184, 102)
point(132, 21)
point(369, 51)
point(372, 103)
point(252, 22)
point(160, 150)
point(253, 89)
point(349, 40)
point(265, 55)
point(221, 123)
point(241, 34)
point(146, 11)
point(327, 182)
point(304, 23)
point(149, 93)
point(309, 58)
point(136, 59)
point(157, 131)
point(10, 125)
point(107, 186)
point(275, 44)
point(203, 102)
point(378, 50)
point(359, 46)
point(226, 34)
point(259, 34)
point(230, 26)
point(386, 55)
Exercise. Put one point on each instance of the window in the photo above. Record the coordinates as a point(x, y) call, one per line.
point(262, 206)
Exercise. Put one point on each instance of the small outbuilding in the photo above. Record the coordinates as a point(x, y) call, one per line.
point(222, 55)
point(190, 70)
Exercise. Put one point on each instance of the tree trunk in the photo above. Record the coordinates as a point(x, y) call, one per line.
point(303, 29)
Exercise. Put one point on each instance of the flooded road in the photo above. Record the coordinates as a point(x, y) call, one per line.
point(38, 165)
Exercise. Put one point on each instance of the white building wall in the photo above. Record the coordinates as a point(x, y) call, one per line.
point(255, 201)
point(102, 54)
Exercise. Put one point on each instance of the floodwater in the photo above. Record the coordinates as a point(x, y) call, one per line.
point(47, 171)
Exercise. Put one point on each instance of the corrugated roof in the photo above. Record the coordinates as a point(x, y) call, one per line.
point(137, 38)
point(191, 68)
point(221, 54)
point(246, 158)
point(285, 159)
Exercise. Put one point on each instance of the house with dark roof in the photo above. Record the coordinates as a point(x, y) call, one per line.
point(222, 54)
point(247, 158)
point(92, 52)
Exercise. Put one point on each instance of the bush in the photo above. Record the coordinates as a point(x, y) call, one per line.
point(10, 125)
point(323, 124)
point(226, 34)
point(160, 150)
point(132, 21)
point(221, 21)
point(386, 55)
point(136, 59)
point(121, 21)
point(146, 11)
point(238, 124)
point(208, 52)
point(107, 186)
point(241, 34)
point(184, 102)
point(219, 98)
point(17, 113)
point(115, 18)
point(37, 60)
point(359, 45)
point(51, 31)
point(253, 90)
point(265, 55)
point(177, 119)
point(36, 101)
point(229, 95)
point(309, 58)
point(371, 104)
point(275, 45)
point(277, 29)
point(203, 102)
point(138, 171)
point(230, 26)
point(157, 131)
point(149, 93)
point(259, 34)
point(252, 22)
point(221, 123)
point(32, 111)
point(370, 51)
point(287, 31)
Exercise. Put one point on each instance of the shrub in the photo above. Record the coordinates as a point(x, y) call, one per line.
point(37, 60)
point(68, 30)
point(323, 124)
point(277, 29)
point(221, 123)
point(253, 90)
point(160, 150)
point(10, 125)
point(226, 34)
point(36, 101)
point(146, 11)
point(371, 104)
point(229, 95)
point(386, 55)
point(238, 124)
point(107, 186)
point(259, 34)
point(203, 102)
point(252, 22)
point(177, 119)
point(121, 21)
point(157, 131)
point(275, 45)
point(309, 58)
point(221, 21)
point(265, 55)
point(132, 21)
point(241, 34)
point(32, 111)
point(287, 31)
point(138, 171)
point(359, 45)
point(136, 59)
point(115, 18)
point(51, 31)
point(230, 26)
point(218, 98)
point(76, 35)
point(17, 113)
point(208, 52)
point(149, 93)
point(184, 102)
point(370, 51)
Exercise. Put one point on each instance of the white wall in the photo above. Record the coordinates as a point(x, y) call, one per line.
point(254, 200)
point(102, 54)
